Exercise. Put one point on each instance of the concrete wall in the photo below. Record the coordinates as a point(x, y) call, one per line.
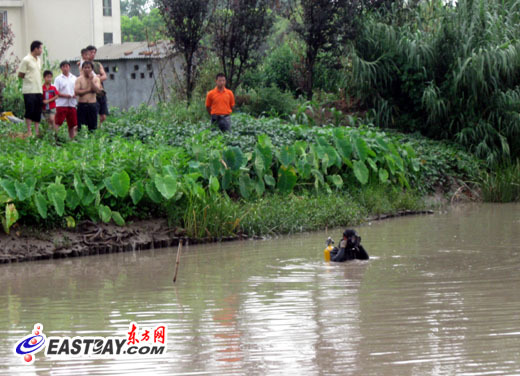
point(133, 82)
point(64, 26)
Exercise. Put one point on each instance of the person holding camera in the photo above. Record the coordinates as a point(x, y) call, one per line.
point(350, 248)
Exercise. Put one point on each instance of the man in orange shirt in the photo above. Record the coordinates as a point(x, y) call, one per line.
point(219, 103)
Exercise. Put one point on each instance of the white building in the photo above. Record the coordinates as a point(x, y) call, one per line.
point(63, 26)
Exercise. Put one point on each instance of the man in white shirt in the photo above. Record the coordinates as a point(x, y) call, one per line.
point(30, 73)
point(66, 103)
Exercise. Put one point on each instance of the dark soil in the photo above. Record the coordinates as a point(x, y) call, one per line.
point(88, 238)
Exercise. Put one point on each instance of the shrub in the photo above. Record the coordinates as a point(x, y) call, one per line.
point(270, 101)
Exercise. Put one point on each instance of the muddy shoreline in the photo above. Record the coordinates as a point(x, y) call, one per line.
point(88, 238)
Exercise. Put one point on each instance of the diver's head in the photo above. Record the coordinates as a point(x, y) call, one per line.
point(351, 237)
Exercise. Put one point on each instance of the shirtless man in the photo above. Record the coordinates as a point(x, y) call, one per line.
point(86, 87)
point(100, 71)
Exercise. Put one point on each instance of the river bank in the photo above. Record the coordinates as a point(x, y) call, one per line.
point(89, 238)
point(96, 239)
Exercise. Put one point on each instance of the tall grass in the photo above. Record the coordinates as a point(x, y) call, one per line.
point(452, 71)
point(502, 184)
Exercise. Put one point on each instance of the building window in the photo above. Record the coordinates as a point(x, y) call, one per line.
point(133, 76)
point(108, 38)
point(112, 76)
point(151, 74)
point(107, 8)
point(149, 66)
point(107, 69)
point(136, 67)
point(3, 20)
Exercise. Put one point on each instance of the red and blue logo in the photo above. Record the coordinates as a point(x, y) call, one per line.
point(32, 344)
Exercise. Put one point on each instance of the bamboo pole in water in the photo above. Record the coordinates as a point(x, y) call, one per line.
point(177, 261)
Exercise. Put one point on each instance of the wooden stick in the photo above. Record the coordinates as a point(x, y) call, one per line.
point(178, 260)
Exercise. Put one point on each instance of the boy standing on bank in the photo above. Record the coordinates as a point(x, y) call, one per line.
point(86, 87)
point(50, 94)
point(66, 103)
point(30, 73)
point(219, 104)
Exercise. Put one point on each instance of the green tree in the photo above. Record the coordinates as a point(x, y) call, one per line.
point(187, 23)
point(150, 26)
point(134, 8)
point(239, 30)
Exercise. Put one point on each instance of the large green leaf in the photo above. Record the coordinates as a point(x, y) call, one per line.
point(287, 179)
point(104, 213)
point(287, 155)
point(57, 194)
point(382, 143)
point(245, 185)
point(336, 180)
point(137, 192)
point(109, 187)
point(22, 190)
point(72, 199)
point(269, 180)
point(121, 183)
point(226, 180)
point(153, 193)
point(361, 172)
point(234, 158)
point(383, 175)
point(79, 186)
point(259, 187)
point(333, 156)
point(372, 164)
point(215, 166)
point(344, 148)
point(318, 178)
point(88, 198)
point(9, 188)
point(304, 168)
point(166, 185)
point(264, 141)
point(11, 216)
point(214, 185)
point(91, 187)
point(266, 152)
point(259, 163)
point(31, 184)
point(41, 204)
point(362, 148)
point(118, 219)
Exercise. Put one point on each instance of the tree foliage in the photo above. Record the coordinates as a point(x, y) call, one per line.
point(187, 23)
point(150, 26)
point(239, 30)
point(322, 24)
point(134, 8)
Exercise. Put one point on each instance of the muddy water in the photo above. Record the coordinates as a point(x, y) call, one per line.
point(440, 296)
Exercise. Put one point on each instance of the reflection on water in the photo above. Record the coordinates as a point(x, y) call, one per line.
point(439, 296)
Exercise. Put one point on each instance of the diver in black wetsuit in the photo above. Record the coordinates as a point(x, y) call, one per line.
point(350, 248)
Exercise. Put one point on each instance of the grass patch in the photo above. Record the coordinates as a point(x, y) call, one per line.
point(502, 184)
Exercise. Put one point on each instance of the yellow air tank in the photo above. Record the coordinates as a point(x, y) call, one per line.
point(326, 251)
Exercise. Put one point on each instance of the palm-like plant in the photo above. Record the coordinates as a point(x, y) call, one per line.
point(451, 71)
